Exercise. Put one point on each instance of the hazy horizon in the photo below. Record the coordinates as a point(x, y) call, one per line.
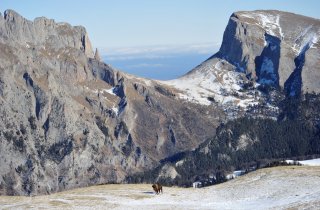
point(162, 62)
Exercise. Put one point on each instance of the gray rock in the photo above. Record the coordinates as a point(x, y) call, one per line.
point(97, 55)
point(265, 45)
point(44, 32)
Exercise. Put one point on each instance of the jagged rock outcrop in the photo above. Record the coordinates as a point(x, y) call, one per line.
point(97, 55)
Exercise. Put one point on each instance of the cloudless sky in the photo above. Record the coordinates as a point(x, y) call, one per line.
point(128, 23)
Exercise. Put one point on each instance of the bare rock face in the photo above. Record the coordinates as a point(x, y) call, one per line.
point(44, 32)
point(275, 48)
point(97, 55)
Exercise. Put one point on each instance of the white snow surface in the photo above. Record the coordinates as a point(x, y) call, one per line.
point(110, 91)
point(115, 110)
point(210, 79)
point(270, 23)
point(312, 162)
point(292, 187)
point(315, 39)
point(101, 91)
point(305, 38)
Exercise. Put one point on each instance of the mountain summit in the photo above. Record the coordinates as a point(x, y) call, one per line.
point(277, 48)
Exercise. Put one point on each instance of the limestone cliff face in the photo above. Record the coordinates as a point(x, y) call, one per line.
point(276, 48)
point(43, 32)
point(69, 120)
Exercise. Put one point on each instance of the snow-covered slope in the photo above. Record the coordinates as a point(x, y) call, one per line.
point(267, 21)
point(312, 162)
point(294, 187)
point(215, 80)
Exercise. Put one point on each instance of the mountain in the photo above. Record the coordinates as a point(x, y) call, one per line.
point(70, 120)
point(275, 48)
point(271, 48)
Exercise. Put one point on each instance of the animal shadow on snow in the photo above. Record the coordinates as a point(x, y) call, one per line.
point(149, 192)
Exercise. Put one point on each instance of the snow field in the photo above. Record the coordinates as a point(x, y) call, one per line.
point(270, 188)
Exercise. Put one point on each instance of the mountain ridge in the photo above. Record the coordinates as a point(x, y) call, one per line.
point(70, 121)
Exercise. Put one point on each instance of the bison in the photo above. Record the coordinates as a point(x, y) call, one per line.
point(157, 188)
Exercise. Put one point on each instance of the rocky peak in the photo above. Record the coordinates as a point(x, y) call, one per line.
point(11, 15)
point(44, 32)
point(97, 55)
point(268, 46)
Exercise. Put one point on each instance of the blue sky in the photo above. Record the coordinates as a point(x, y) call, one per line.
point(152, 28)
point(128, 23)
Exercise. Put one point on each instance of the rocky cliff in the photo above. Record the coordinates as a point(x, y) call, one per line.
point(276, 48)
point(70, 120)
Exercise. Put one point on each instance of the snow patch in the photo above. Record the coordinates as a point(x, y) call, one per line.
point(279, 27)
point(115, 110)
point(311, 162)
point(270, 23)
point(305, 38)
point(110, 91)
point(211, 81)
point(61, 200)
point(303, 33)
point(101, 91)
point(315, 39)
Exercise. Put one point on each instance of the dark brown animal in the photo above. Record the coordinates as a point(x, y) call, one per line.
point(157, 188)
